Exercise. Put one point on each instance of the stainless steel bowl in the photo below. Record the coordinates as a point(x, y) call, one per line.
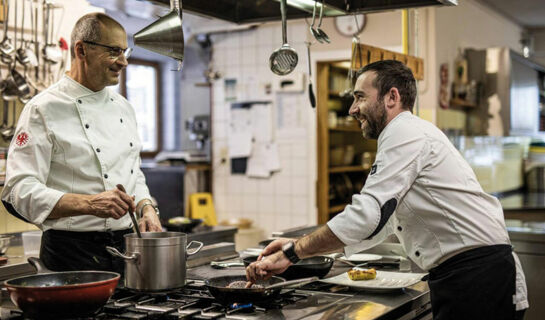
point(4, 243)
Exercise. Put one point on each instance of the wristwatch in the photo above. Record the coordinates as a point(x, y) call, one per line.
point(148, 204)
point(289, 252)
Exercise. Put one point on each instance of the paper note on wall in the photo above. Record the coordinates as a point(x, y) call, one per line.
point(262, 122)
point(240, 133)
point(272, 158)
point(257, 163)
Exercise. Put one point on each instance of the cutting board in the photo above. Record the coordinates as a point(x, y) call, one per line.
point(201, 206)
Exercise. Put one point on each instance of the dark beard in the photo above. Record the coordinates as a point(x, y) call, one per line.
point(375, 122)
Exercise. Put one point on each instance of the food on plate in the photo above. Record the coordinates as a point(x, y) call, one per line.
point(179, 220)
point(362, 274)
point(242, 285)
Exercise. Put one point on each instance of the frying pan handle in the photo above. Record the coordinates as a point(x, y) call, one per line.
point(196, 249)
point(114, 252)
point(38, 265)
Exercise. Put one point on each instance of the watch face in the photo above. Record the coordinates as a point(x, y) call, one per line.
point(350, 25)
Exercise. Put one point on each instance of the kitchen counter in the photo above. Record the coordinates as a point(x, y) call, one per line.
point(525, 206)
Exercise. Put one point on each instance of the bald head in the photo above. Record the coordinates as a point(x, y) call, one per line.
point(90, 27)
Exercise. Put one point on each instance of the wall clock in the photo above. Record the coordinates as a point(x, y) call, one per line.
point(347, 26)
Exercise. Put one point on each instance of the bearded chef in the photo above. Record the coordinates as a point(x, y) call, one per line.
point(422, 190)
point(74, 143)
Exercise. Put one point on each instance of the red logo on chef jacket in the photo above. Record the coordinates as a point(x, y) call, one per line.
point(22, 139)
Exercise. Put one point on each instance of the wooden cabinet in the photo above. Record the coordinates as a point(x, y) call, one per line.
point(341, 146)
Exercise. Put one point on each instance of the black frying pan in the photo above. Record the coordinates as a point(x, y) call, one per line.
point(220, 290)
point(318, 266)
point(56, 295)
point(182, 227)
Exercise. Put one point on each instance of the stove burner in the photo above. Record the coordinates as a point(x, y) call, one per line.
point(191, 302)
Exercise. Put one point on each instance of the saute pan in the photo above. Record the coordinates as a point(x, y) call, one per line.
point(317, 266)
point(57, 295)
point(267, 290)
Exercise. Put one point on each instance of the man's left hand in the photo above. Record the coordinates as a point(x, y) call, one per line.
point(149, 221)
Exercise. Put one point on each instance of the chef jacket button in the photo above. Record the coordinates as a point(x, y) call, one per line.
point(106, 176)
point(121, 120)
point(111, 99)
point(98, 149)
point(417, 254)
point(79, 101)
point(132, 171)
point(86, 126)
point(399, 228)
point(130, 144)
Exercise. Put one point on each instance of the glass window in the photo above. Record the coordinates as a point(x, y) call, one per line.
point(139, 84)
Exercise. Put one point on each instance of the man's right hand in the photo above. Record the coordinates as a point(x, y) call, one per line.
point(110, 204)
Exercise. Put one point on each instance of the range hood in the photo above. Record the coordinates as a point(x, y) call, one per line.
point(247, 11)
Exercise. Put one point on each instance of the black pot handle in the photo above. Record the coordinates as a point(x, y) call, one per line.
point(38, 265)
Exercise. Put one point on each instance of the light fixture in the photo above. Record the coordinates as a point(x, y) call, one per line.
point(526, 41)
point(308, 6)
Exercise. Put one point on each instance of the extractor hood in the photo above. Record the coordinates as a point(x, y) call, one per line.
point(246, 11)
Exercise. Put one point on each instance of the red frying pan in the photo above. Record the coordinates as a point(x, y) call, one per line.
point(58, 295)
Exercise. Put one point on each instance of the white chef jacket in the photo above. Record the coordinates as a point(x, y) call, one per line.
point(421, 189)
point(70, 139)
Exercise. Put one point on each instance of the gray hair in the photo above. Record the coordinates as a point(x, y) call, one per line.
point(87, 28)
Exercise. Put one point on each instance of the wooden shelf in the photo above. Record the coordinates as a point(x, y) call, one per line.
point(462, 103)
point(337, 208)
point(354, 128)
point(347, 169)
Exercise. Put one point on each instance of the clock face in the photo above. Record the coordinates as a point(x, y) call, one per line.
point(350, 25)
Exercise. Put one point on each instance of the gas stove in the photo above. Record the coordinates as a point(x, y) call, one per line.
point(194, 302)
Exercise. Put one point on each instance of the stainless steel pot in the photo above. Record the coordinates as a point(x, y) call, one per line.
point(157, 261)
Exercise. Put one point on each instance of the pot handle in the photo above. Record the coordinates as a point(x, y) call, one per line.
point(38, 265)
point(114, 252)
point(196, 250)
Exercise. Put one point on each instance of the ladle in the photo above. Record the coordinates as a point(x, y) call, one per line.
point(52, 53)
point(311, 96)
point(21, 55)
point(284, 59)
point(313, 31)
point(7, 133)
point(323, 35)
point(131, 214)
point(6, 48)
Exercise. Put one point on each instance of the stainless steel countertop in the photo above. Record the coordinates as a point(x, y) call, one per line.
point(359, 304)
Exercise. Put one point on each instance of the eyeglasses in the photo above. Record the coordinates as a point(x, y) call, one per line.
point(114, 52)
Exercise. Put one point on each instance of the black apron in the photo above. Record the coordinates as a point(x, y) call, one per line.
point(476, 284)
point(72, 251)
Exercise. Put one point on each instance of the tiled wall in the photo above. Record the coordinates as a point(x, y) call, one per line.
point(281, 201)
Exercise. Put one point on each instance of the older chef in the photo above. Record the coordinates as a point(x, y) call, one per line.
point(73, 144)
point(422, 190)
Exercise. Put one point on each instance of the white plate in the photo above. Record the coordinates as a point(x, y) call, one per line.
point(384, 281)
point(362, 257)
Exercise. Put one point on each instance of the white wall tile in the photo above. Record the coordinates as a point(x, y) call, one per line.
point(283, 204)
point(299, 206)
point(249, 186)
point(265, 204)
point(283, 186)
point(299, 186)
point(299, 167)
point(249, 205)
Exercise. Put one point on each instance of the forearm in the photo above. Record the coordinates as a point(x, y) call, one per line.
point(70, 204)
point(321, 241)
